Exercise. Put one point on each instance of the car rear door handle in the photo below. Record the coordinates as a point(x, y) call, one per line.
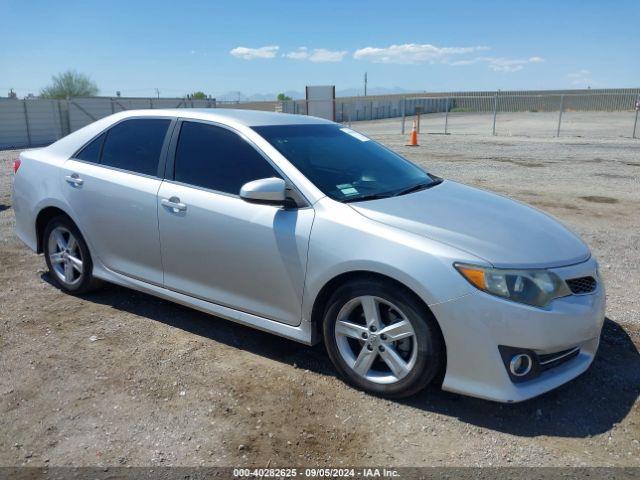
point(74, 179)
point(174, 204)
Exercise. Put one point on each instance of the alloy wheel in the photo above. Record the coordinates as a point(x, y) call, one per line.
point(65, 256)
point(376, 339)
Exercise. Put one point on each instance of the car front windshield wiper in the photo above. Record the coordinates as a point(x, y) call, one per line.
point(378, 196)
point(363, 198)
point(418, 187)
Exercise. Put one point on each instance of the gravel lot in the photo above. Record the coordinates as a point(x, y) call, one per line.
point(166, 385)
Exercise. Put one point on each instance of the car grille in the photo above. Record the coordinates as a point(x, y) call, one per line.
point(550, 360)
point(582, 285)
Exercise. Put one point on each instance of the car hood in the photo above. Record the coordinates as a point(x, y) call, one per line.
point(501, 231)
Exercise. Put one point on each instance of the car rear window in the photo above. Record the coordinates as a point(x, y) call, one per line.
point(91, 152)
point(135, 145)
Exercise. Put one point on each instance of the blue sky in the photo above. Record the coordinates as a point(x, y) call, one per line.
point(265, 47)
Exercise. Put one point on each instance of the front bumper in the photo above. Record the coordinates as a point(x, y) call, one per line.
point(476, 324)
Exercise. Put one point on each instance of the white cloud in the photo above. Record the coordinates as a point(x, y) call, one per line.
point(408, 53)
point(412, 53)
point(302, 53)
point(270, 51)
point(500, 64)
point(322, 55)
point(317, 55)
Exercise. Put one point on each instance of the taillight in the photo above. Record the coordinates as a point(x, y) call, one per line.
point(16, 165)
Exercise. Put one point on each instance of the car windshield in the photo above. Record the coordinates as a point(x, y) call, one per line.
point(344, 164)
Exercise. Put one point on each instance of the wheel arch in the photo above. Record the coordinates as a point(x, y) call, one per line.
point(43, 218)
point(320, 302)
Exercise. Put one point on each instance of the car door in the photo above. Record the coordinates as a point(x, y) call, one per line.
point(220, 248)
point(112, 185)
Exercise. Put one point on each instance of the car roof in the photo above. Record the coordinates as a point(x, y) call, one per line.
point(249, 118)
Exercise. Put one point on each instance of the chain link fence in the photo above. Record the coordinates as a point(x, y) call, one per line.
point(602, 113)
point(573, 115)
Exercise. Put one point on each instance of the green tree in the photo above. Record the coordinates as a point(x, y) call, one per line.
point(283, 98)
point(70, 84)
point(198, 95)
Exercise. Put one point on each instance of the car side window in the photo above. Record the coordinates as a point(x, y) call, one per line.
point(218, 159)
point(91, 151)
point(135, 145)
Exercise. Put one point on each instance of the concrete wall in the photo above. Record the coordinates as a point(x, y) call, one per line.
point(37, 122)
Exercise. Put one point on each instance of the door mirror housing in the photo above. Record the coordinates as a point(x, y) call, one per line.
point(270, 191)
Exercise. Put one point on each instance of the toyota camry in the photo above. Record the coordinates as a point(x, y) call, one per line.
point(312, 231)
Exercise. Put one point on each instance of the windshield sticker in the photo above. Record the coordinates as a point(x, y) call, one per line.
point(355, 134)
point(347, 189)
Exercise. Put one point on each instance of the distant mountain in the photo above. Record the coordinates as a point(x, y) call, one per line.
point(297, 95)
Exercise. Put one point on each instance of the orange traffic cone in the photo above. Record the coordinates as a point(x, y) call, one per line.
point(413, 137)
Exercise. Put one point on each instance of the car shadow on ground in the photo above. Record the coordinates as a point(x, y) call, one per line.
point(589, 405)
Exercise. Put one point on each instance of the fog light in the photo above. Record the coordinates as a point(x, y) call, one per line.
point(520, 364)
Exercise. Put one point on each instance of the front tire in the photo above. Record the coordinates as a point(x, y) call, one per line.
point(382, 339)
point(68, 257)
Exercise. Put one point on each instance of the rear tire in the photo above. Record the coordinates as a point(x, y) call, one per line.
point(68, 257)
point(382, 339)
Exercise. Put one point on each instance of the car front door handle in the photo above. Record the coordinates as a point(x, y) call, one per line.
point(74, 179)
point(173, 204)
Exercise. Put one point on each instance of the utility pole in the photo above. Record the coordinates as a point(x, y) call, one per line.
point(157, 93)
point(365, 84)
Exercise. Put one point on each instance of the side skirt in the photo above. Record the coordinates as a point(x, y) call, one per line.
point(304, 333)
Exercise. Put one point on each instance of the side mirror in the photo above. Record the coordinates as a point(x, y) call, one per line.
point(266, 190)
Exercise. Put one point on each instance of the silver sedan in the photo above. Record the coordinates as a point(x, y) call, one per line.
point(312, 231)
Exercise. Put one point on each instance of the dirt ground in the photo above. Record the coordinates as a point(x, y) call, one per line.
point(166, 385)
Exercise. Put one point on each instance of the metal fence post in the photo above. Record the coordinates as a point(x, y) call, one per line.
point(404, 113)
point(351, 113)
point(68, 116)
point(446, 116)
point(495, 112)
point(635, 122)
point(560, 115)
point(60, 119)
point(26, 121)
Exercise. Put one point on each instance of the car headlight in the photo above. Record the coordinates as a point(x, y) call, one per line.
point(533, 287)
